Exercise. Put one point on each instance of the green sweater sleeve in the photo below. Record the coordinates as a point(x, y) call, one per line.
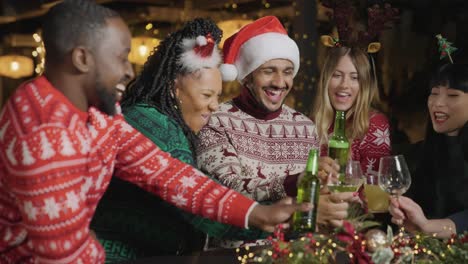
point(168, 136)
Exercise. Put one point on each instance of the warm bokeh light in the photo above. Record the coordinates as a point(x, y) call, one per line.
point(141, 49)
point(16, 66)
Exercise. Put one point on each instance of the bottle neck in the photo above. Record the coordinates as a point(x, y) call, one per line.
point(312, 162)
point(339, 127)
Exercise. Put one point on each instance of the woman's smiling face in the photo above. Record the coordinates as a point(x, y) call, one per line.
point(343, 86)
point(198, 94)
point(449, 109)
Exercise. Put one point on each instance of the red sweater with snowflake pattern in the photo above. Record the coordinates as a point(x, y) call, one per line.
point(56, 162)
point(369, 149)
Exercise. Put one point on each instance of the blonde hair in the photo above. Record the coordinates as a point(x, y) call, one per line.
point(366, 100)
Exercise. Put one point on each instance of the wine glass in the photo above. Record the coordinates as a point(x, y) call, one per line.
point(353, 178)
point(353, 173)
point(394, 175)
point(377, 199)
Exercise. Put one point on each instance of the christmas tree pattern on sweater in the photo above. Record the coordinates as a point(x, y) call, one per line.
point(57, 161)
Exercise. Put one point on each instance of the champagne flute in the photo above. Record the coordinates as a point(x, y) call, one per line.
point(394, 175)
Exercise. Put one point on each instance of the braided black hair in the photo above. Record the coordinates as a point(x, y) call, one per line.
point(155, 85)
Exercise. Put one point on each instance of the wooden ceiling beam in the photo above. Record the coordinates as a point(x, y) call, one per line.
point(208, 4)
point(174, 15)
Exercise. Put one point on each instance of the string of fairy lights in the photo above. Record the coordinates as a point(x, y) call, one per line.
point(376, 246)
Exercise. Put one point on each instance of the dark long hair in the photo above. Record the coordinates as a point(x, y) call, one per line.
point(454, 76)
point(440, 180)
point(155, 85)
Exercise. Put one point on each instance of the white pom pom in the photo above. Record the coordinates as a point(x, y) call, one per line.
point(201, 41)
point(228, 72)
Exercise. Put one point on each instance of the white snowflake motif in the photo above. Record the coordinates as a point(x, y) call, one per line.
point(79, 235)
point(51, 208)
point(138, 148)
point(25, 108)
point(189, 182)
point(72, 201)
point(67, 245)
point(179, 200)
point(53, 246)
point(163, 162)
point(30, 210)
point(382, 137)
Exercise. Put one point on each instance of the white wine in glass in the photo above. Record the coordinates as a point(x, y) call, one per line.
point(377, 199)
point(394, 175)
point(352, 180)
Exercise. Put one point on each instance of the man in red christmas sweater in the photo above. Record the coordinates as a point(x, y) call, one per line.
point(62, 137)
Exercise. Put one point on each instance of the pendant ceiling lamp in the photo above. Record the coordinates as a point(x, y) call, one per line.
point(16, 66)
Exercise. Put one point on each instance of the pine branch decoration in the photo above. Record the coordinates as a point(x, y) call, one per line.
point(445, 47)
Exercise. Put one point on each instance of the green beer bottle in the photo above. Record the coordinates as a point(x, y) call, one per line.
point(338, 145)
point(308, 191)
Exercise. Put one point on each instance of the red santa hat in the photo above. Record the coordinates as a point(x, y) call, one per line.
point(199, 52)
point(253, 45)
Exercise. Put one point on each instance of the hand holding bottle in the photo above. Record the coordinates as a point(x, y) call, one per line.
point(328, 170)
point(267, 217)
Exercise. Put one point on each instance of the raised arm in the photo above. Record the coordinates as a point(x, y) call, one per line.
point(409, 214)
point(143, 163)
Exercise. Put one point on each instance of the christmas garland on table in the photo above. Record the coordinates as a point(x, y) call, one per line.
point(361, 245)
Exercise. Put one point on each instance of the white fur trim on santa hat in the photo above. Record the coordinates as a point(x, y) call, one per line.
point(201, 40)
point(228, 72)
point(262, 48)
point(190, 61)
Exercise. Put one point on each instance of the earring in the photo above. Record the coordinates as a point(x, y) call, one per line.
point(176, 106)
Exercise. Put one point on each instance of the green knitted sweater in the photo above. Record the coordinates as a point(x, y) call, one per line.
point(132, 224)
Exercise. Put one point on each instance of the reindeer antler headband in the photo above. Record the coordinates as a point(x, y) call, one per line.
point(377, 18)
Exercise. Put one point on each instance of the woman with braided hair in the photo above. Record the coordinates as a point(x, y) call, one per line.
point(169, 102)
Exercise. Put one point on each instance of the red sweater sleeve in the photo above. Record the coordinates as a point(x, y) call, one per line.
point(374, 145)
point(141, 162)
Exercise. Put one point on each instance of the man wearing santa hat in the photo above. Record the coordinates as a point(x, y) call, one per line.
point(254, 143)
